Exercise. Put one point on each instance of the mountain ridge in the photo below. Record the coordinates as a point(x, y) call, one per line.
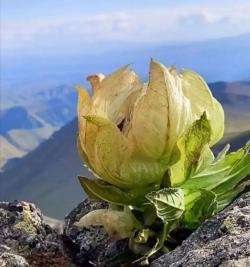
point(48, 175)
point(32, 118)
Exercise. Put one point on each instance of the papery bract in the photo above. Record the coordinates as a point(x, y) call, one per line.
point(128, 131)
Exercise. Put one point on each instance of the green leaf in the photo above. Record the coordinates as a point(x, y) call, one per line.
point(168, 202)
point(225, 199)
point(199, 209)
point(118, 224)
point(98, 189)
point(240, 169)
point(191, 146)
point(224, 174)
point(206, 158)
point(222, 153)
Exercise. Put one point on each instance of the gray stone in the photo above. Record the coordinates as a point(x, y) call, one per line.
point(8, 259)
point(23, 233)
point(12, 260)
point(244, 262)
point(219, 240)
point(92, 245)
point(3, 249)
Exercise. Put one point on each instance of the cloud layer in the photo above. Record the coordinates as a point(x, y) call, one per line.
point(135, 26)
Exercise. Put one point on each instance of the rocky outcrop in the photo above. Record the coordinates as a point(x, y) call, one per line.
point(91, 246)
point(223, 240)
point(8, 259)
point(26, 240)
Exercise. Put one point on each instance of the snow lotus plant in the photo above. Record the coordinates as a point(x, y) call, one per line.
point(148, 145)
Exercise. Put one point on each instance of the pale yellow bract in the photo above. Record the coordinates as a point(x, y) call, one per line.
point(128, 131)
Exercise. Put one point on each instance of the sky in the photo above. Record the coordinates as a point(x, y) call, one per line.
point(69, 26)
point(48, 42)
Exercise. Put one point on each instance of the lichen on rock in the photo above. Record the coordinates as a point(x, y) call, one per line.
point(23, 234)
point(219, 240)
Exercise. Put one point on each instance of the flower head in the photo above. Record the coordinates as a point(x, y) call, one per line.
point(128, 131)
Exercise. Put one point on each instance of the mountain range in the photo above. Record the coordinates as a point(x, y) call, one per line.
point(222, 59)
point(47, 175)
point(30, 118)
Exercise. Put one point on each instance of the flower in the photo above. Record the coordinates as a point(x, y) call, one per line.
point(128, 131)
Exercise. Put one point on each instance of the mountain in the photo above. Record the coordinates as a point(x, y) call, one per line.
point(8, 151)
point(222, 59)
point(31, 117)
point(235, 99)
point(47, 176)
point(54, 106)
point(17, 118)
point(235, 141)
point(20, 142)
point(20, 132)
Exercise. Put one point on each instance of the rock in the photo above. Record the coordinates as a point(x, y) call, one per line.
point(244, 262)
point(55, 224)
point(8, 259)
point(93, 245)
point(223, 240)
point(26, 240)
point(23, 233)
point(12, 260)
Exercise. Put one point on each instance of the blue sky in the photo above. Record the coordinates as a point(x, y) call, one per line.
point(26, 9)
point(69, 26)
point(63, 40)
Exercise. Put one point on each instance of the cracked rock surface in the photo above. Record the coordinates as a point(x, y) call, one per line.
point(25, 240)
point(223, 240)
point(8, 259)
point(90, 246)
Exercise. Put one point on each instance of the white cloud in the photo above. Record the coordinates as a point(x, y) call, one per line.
point(145, 26)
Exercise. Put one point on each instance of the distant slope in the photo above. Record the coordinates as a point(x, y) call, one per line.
point(57, 105)
point(17, 118)
point(48, 175)
point(27, 140)
point(20, 132)
point(32, 117)
point(235, 99)
point(236, 141)
point(8, 151)
point(18, 143)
